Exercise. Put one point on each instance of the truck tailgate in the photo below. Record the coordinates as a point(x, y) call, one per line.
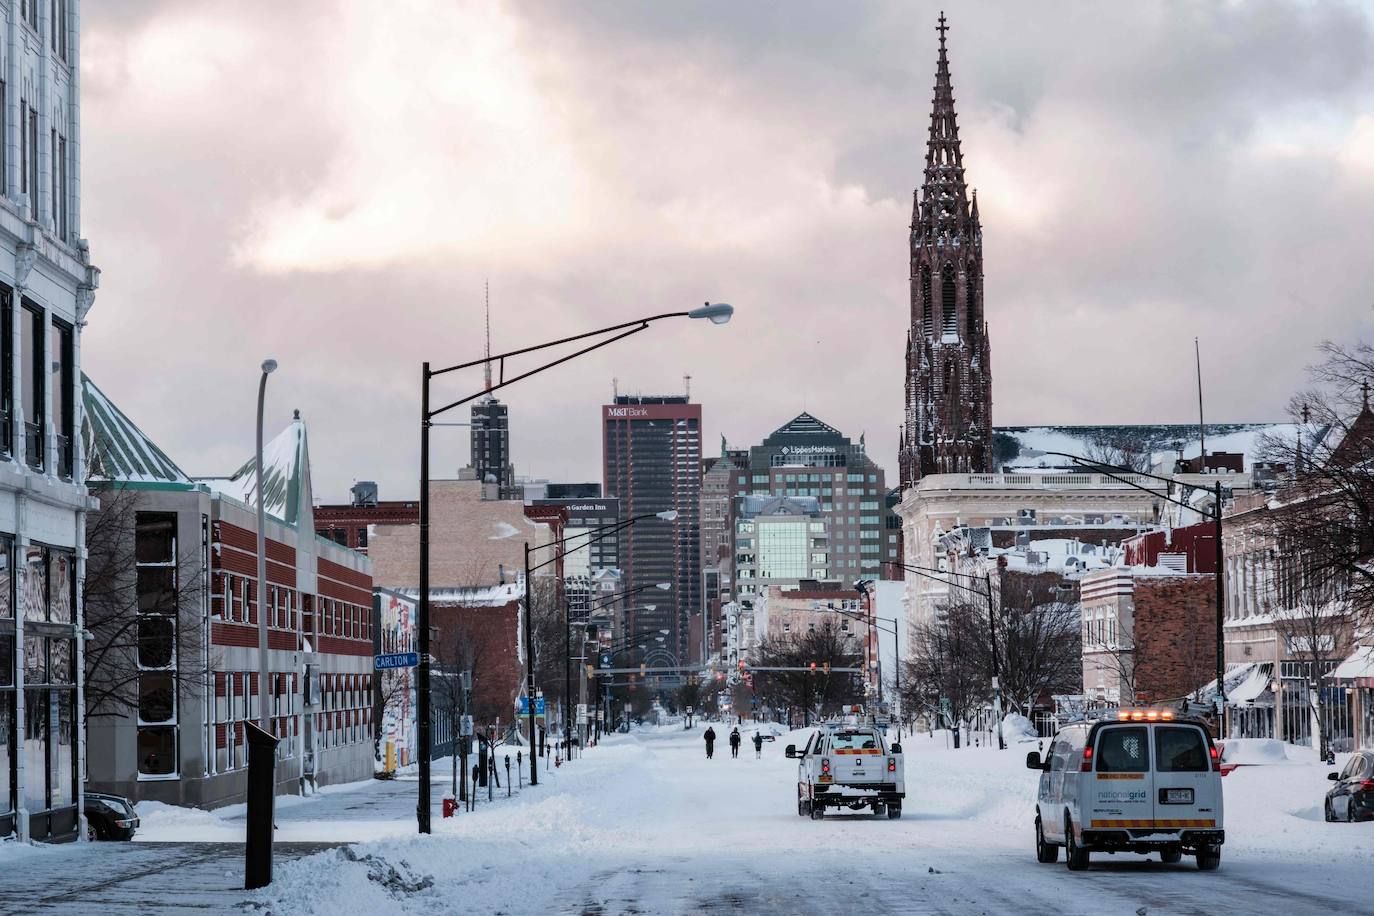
point(858, 767)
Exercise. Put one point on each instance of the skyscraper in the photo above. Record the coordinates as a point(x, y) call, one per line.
point(948, 424)
point(491, 442)
point(652, 461)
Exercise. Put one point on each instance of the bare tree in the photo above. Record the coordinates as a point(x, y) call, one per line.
point(816, 692)
point(146, 621)
point(1039, 640)
point(1122, 448)
point(1316, 630)
point(942, 673)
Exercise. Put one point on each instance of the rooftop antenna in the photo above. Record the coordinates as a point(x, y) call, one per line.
point(687, 386)
point(1201, 428)
point(486, 368)
point(615, 387)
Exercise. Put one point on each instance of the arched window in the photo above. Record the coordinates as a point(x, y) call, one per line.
point(950, 324)
point(927, 321)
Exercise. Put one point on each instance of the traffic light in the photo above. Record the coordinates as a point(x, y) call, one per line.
point(643, 669)
point(813, 667)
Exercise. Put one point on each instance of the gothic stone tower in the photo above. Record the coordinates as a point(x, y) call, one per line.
point(948, 427)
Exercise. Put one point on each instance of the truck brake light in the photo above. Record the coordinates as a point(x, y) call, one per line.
point(825, 764)
point(1087, 766)
point(892, 764)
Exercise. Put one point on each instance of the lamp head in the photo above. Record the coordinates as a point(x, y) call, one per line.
point(269, 366)
point(649, 607)
point(663, 586)
point(717, 312)
point(667, 516)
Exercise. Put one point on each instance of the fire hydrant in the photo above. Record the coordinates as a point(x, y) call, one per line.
point(450, 805)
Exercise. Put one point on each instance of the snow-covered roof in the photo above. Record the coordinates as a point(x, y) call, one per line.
point(1359, 664)
point(1165, 441)
point(116, 449)
point(287, 459)
point(1063, 555)
point(470, 595)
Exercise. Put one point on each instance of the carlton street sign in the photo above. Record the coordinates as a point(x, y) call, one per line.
point(395, 660)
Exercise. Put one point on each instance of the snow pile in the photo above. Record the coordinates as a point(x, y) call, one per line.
point(1017, 728)
point(1254, 751)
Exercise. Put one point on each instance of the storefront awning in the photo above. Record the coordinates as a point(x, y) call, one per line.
point(1254, 686)
point(1359, 664)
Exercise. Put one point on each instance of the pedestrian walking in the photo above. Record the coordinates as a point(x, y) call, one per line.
point(758, 745)
point(710, 737)
point(734, 742)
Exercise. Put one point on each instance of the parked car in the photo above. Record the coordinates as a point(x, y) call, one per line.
point(1352, 796)
point(109, 817)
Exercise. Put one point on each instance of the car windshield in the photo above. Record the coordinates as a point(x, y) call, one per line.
point(1123, 750)
point(854, 741)
point(1179, 749)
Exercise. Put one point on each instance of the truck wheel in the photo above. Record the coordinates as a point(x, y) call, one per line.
point(817, 812)
point(1075, 856)
point(1045, 853)
point(1170, 855)
point(803, 807)
point(879, 810)
point(894, 812)
point(1208, 858)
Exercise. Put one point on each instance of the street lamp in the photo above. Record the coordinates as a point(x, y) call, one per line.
point(716, 313)
point(268, 367)
point(862, 586)
point(1106, 471)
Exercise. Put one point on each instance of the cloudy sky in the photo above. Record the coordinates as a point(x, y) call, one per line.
point(331, 183)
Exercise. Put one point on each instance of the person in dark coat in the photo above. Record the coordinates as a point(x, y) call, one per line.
point(758, 745)
point(710, 737)
point(734, 742)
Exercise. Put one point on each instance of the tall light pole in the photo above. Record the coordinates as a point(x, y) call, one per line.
point(268, 367)
point(716, 313)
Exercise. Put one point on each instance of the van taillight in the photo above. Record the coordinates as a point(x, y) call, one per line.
point(1367, 785)
point(892, 764)
point(825, 764)
point(1216, 757)
point(1087, 760)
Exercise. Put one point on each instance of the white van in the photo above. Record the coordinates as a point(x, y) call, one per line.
point(1141, 781)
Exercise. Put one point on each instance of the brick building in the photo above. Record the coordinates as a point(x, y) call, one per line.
point(193, 587)
point(1149, 634)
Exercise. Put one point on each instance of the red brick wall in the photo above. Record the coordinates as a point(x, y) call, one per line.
point(486, 638)
point(1175, 635)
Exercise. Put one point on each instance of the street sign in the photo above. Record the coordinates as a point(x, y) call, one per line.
point(395, 660)
point(605, 659)
point(522, 706)
point(465, 726)
point(581, 713)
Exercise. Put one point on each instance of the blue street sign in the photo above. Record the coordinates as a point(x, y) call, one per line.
point(396, 660)
point(522, 706)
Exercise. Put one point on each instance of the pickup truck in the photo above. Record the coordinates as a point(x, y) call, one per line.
point(849, 765)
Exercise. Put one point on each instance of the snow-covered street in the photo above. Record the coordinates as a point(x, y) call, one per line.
point(645, 824)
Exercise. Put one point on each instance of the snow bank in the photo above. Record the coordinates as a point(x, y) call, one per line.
point(1017, 728)
point(1255, 751)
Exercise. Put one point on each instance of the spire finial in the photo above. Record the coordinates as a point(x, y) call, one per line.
point(942, 29)
point(486, 300)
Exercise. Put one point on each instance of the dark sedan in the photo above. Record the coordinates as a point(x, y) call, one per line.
point(109, 817)
point(1352, 796)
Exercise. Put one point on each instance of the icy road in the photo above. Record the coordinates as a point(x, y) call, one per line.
point(645, 824)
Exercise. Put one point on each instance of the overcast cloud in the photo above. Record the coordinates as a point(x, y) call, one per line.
point(330, 184)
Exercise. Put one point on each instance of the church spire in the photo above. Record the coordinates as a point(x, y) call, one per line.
point(944, 196)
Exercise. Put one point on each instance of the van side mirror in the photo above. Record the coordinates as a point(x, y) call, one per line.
point(1333, 776)
point(791, 750)
point(1033, 761)
point(896, 748)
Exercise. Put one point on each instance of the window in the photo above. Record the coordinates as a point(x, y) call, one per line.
point(4, 151)
point(6, 348)
point(949, 325)
point(155, 576)
point(62, 382)
point(31, 380)
point(29, 129)
point(59, 28)
point(1179, 749)
point(1123, 750)
point(29, 13)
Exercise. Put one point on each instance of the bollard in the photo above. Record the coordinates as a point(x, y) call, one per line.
point(508, 776)
point(262, 760)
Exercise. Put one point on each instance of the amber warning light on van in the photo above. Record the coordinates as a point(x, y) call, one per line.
point(1144, 715)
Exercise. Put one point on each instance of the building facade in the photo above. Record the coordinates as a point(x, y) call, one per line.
point(490, 438)
point(948, 380)
point(178, 735)
point(394, 703)
point(652, 463)
point(779, 540)
point(47, 287)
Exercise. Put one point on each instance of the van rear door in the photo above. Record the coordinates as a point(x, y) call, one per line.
point(1121, 793)
point(1186, 792)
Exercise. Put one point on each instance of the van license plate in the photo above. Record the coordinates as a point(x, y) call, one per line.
point(1177, 797)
